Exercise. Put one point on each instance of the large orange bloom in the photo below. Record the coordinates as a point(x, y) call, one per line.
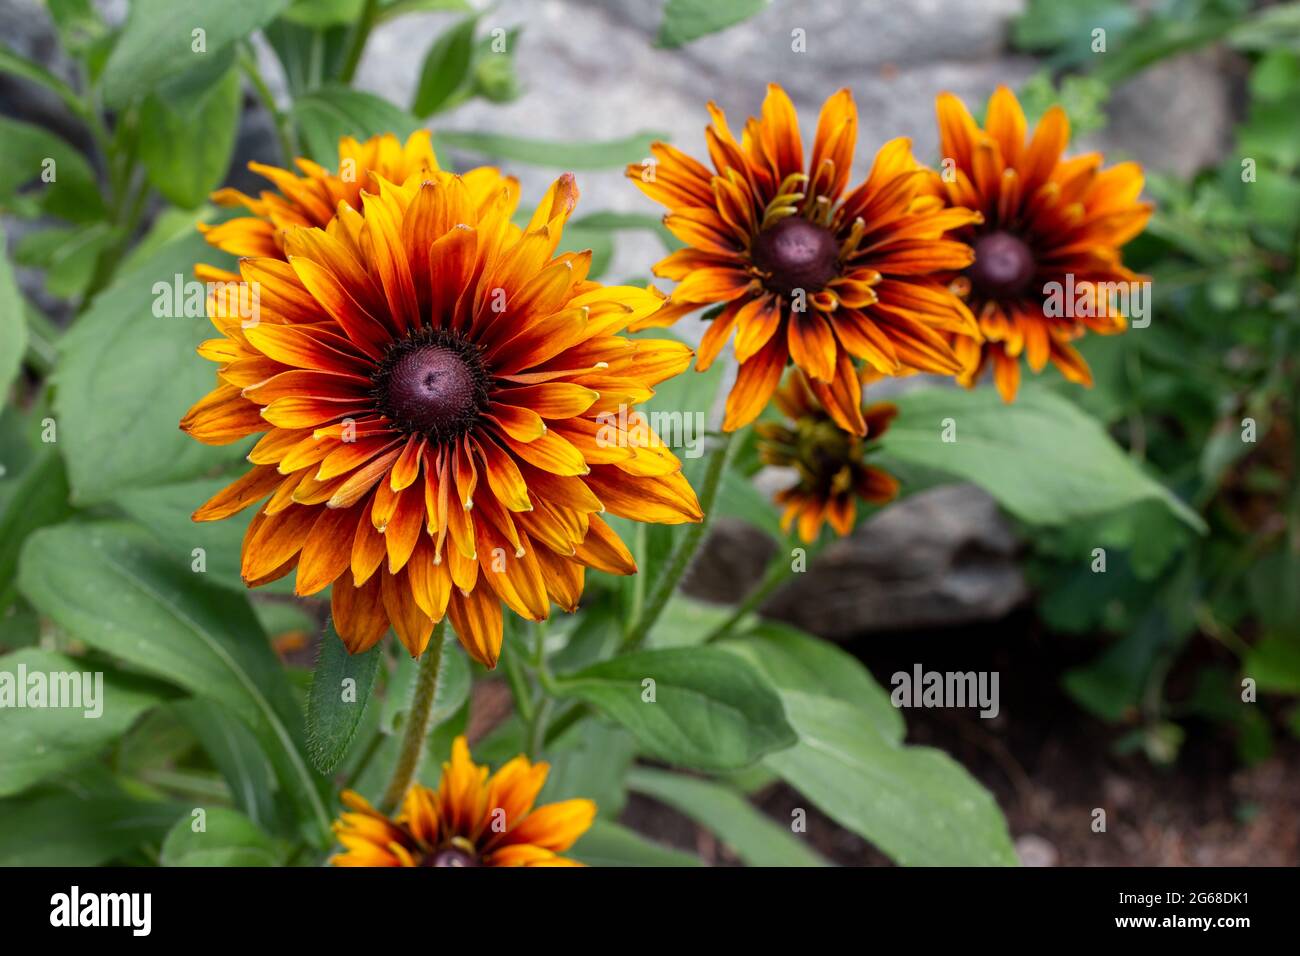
point(439, 399)
point(802, 271)
point(1045, 217)
point(470, 820)
point(829, 463)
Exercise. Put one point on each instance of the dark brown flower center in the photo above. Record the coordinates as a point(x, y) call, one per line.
point(450, 856)
point(1004, 266)
point(796, 254)
point(432, 383)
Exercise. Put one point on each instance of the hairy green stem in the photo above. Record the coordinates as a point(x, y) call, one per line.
point(681, 556)
point(417, 722)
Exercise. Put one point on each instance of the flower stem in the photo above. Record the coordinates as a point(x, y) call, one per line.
point(360, 34)
point(417, 722)
point(248, 60)
point(778, 572)
point(681, 556)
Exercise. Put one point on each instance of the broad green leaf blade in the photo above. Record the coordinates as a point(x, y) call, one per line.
point(165, 512)
point(33, 154)
point(85, 826)
point(610, 844)
point(228, 838)
point(69, 255)
point(793, 660)
point(32, 496)
point(693, 707)
point(105, 584)
point(340, 691)
point(162, 38)
point(1042, 458)
point(686, 20)
point(915, 803)
point(446, 67)
point(590, 760)
point(326, 115)
point(126, 377)
point(13, 326)
point(36, 743)
point(753, 836)
point(234, 751)
point(537, 152)
point(187, 133)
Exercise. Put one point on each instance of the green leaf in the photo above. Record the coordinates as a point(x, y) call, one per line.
point(234, 751)
point(165, 511)
point(127, 376)
point(609, 844)
point(160, 36)
point(561, 155)
point(15, 65)
point(68, 254)
point(590, 760)
point(106, 585)
point(752, 835)
point(793, 660)
point(31, 496)
point(710, 709)
point(686, 622)
point(324, 13)
point(82, 826)
point(399, 8)
point(35, 155)
point(187, 132)
point(446, 68)
point(916, 804)
point(37, 743)
point(686, 20)
point(310, 57)
point(332, 112)
point(340, 691)
point(228, 839)
point(1274, 663)
point(13, 327)
point(1042, 458)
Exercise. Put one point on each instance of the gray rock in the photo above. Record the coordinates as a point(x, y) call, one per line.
point(941, 558)
point(1176, 117)
point(590, 71)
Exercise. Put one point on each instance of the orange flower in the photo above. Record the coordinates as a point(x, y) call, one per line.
point(830, 462)
point(1045, 218)
point(313, 199)
point(802, 271)
point(442, 403)
point(470, 820)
